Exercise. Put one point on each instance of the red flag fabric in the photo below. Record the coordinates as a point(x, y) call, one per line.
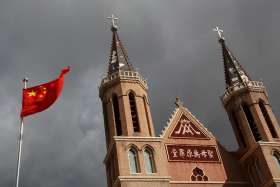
point(38, 98)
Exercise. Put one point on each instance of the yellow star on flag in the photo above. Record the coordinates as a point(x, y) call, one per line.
point(32, 93)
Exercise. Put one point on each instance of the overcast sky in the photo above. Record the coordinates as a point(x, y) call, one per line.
point(170, 41)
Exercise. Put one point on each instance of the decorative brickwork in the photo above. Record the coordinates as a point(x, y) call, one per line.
point(198, 175)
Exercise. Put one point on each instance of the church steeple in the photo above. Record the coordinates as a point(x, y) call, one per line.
point(253, 121)
point(127, 116)
point(118, 59)
point(235, 75)
point(123, 92)
point(250, 97)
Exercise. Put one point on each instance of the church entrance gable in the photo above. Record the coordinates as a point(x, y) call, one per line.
point(183, 125)
point(188, 145)
point(186, 128)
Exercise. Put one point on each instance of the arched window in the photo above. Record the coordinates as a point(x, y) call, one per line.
point(149, 161)
point(133, 160)
point(238, 129)
point(251, 122)
point(267, 119)
point(133, 110)
point(276, 157)
point(117, 116)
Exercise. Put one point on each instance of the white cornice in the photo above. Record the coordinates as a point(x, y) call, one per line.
point(138, 138)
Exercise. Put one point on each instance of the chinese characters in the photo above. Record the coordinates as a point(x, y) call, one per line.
point(192, 153)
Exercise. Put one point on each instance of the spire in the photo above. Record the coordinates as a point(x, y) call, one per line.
point(234, 73)
point(118, 59)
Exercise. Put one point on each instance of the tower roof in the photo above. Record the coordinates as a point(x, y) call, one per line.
point(234, 72)
point(118, 59)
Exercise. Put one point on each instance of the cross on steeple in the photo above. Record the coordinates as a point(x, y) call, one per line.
point(220, 32)
point(118, 59)
point(113, 19)
point(235, 75)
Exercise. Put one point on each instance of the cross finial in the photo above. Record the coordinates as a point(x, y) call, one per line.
point(220, 32)
point(113, 19)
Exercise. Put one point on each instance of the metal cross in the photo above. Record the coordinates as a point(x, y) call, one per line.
point(113, 18)
point(219, 31)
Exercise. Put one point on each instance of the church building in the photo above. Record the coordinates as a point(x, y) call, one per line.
point(186, 154)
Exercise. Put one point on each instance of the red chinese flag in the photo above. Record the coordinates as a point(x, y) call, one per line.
point(39, 98)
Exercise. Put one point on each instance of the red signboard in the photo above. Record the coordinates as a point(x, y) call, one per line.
point(192, 153)
point(185, 128)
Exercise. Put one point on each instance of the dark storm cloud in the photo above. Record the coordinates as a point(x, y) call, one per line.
point(172, 44)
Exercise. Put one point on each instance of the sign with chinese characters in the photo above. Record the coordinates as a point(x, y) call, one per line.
point(187, 129)
point(192, 153)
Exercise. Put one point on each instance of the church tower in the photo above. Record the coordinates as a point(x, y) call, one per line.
point(253, 121)
point(132, 148)
point(124, 95)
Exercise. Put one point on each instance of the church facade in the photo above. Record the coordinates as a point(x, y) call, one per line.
point(186, 153)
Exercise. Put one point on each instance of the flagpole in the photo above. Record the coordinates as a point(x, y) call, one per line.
point(25, 80)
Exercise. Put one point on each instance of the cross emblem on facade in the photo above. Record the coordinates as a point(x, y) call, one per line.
point(219, 31)
point(113, 19)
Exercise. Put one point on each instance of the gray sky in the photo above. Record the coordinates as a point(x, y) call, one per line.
point(172, 44)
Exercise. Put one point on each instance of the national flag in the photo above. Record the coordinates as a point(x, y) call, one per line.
point(38, 98)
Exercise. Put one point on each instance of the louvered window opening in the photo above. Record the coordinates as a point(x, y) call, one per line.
point(134, 114)
point(252, 123)
point(117, 116)
point(268, 120)
point(239, 131)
